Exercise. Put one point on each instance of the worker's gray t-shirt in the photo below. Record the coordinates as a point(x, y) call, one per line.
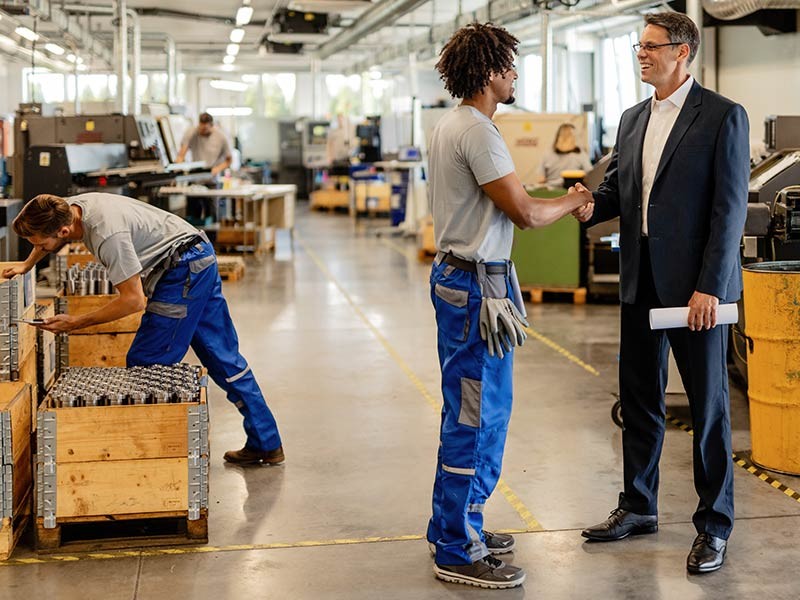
point(126, 235)
point(211, 149)
point(467, 151)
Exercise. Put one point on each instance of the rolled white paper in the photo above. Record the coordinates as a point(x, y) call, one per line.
point(670, 318)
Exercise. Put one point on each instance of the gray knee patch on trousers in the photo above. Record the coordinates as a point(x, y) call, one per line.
point(470, 402)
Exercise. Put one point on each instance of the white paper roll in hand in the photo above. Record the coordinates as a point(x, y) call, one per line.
point(670, 318)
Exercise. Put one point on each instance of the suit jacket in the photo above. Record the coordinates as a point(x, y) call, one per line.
point(698, 202)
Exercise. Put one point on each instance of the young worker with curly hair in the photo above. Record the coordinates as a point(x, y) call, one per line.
point(476, 199)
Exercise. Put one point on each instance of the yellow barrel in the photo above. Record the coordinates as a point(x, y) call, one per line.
point(772, 322)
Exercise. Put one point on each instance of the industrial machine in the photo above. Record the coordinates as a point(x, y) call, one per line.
point(121, 153)
point(772, 229)
point(315, 143)
point(369, 140)
point(291, 169)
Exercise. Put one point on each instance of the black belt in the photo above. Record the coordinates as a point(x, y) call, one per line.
point(187, 245)
point(469, 265)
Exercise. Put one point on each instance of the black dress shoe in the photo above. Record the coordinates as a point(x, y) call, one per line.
point(707, 555)
point(620, 525)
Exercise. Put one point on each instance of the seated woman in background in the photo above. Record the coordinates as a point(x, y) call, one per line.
point(565, 156)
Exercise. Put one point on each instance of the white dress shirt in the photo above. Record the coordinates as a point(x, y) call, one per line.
point(663, 114)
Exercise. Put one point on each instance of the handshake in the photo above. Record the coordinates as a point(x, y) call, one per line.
point(579, 192)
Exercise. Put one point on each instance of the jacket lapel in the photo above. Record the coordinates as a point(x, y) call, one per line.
point(689, 112)
point(638, 142)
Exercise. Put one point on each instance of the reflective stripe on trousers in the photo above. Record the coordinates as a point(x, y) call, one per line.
point(187, 308)
point(477, 391)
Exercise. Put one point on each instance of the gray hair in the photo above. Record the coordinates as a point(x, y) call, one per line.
point(680, 29)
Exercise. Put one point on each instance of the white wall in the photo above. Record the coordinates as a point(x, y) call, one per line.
point(760, 72)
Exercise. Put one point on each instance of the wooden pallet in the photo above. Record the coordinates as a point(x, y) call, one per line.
point(537, 293)
point(231, 268)
point(142, 530)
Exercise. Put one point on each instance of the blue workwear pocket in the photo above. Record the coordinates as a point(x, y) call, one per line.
point(452, 314)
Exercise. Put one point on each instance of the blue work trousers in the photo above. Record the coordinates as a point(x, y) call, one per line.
point(187, 308)
point(477, 393)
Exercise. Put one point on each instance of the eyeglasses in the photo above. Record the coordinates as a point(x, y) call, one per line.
point(651, 47)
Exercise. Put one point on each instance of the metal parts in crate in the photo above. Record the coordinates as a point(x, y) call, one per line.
point(86, 280)
point(114, 386)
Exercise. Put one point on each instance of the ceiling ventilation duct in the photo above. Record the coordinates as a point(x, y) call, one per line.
point(729, 10)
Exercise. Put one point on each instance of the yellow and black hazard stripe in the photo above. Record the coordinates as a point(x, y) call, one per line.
point(746, 464)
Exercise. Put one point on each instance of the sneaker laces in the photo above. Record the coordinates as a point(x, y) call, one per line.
point(492, 561)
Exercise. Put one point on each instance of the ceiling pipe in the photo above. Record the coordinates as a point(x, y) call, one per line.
point(136, 61)
point(728, 10)
point(378, 16)
point(121, 55)
point(55, 14)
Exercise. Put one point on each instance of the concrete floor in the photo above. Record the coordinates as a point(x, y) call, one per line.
point(342, 340)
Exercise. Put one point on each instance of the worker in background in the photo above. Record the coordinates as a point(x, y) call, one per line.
point(566, 155)
point(678, 180)
point(476, 199)
point(208, 144)
point(158, 263)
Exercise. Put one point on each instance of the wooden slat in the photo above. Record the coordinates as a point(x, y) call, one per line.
point(80, 305)
point(111, 433)
point(118, 487)
point(20, 409)
point(99, 350)
point(12, 529)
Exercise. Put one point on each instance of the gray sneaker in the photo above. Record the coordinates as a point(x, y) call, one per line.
point(488, 573)
point(496, 543)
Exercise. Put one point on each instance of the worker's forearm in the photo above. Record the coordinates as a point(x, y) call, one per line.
point(120, 307)
point(34, 257)
point(544, 212)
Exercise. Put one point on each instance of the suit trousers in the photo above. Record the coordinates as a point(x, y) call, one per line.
point(701, 360)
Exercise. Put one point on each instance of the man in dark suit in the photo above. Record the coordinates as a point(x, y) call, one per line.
point(678, 179)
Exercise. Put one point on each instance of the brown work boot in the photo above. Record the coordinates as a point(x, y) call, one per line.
point(248, 456)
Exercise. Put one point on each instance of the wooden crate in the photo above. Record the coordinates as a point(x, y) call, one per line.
point(16, 479)
point(329, 199)
point(425, 239)
point(98, 350)
point(537, 293)
point(231, 268)
point(17, 340)
point(373, 197)
point(104, 345)
point(105, 464)
point(46, 352)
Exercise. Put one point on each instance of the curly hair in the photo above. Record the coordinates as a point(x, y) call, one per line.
point(475, 53)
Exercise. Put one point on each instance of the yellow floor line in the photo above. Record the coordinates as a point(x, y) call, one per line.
point(512, 498)
point(562, 351)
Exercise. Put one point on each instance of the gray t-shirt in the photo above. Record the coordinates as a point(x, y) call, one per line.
point(554, 163)
point(126, 235)
point(211, 149)
point(467, 151)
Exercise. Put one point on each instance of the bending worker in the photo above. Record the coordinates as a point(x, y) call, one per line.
point(159, 263)
point(476, 199)
point(207, 143)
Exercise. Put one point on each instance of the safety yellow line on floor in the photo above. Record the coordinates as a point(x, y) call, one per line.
point(177, 551)
point(745, 464)
point(513, 499)
point(530, 331)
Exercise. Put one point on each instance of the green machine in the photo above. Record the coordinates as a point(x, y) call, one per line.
point(549, 257)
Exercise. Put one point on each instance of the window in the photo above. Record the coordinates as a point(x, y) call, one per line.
point(344, 93)
point(532, 82)
point(619, 77)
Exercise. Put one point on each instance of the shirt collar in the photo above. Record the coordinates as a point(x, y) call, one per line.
point(678, 97)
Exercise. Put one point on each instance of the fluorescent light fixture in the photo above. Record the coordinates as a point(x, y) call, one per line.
point(243, 15)
point(54, 49)
point(230, 111)
point(328, 6)
point(231, 86)
point(29, 35)
point(375, 74)
point(251, 78)
point(232, 49)
point(227, 68)
point(72, 58)
point(79, 60)
point(237, 35)
point(228, 59)
point(284, 37)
